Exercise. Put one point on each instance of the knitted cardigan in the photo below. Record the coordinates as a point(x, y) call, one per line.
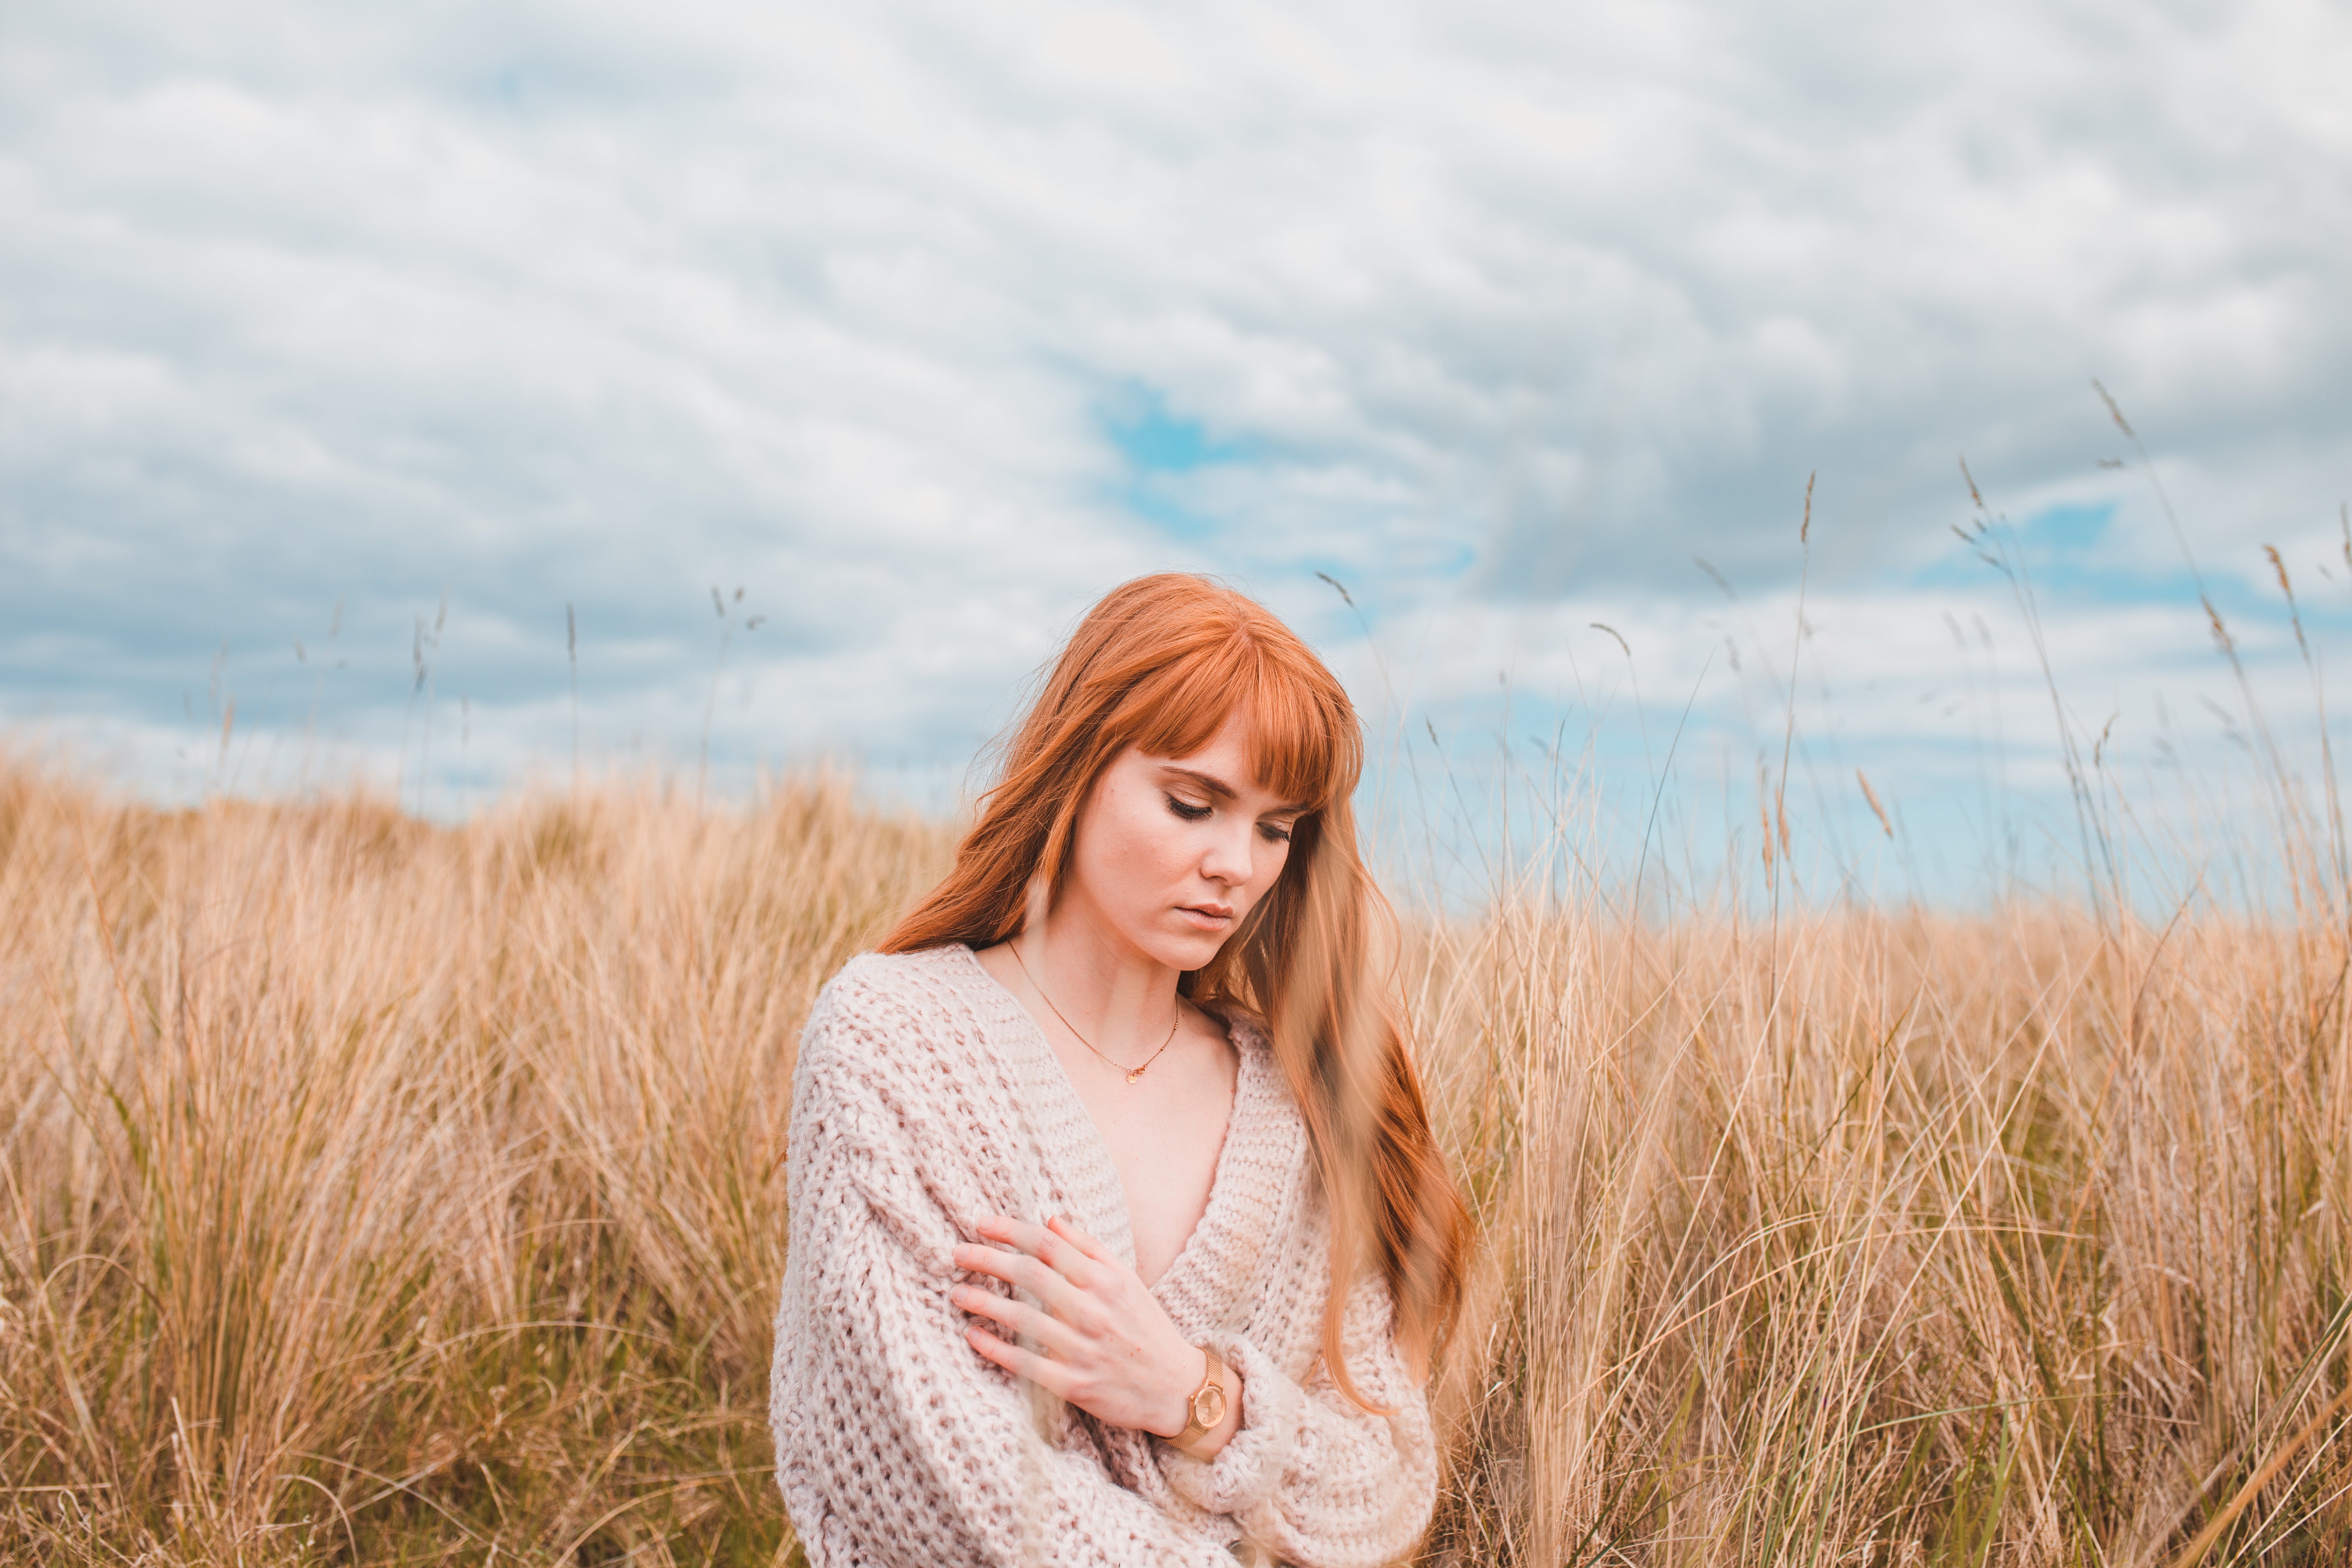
point(926, 1099)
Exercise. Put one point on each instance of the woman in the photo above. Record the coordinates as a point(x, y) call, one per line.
point(1119, 1234)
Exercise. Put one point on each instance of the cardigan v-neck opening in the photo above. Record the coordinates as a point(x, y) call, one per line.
point(1248, 1098)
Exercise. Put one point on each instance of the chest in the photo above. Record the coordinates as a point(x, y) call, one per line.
point(1163, 1134)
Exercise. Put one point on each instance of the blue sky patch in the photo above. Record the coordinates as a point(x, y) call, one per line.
point(1154, 504)
point(2070, 527)
point(2068, 556)
point(1162, 446)
point(1156, 441)
point(2065, 551)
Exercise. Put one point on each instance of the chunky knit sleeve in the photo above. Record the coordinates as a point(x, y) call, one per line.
point(1309, 1475)
point(896, 1443)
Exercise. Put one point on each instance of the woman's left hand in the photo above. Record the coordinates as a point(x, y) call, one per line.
point(1109, 1347)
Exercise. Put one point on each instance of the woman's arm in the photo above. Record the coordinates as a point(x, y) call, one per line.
point(1309, 1475)
point(1304, 1471)
point(894, 1443)
point(1104, 1341)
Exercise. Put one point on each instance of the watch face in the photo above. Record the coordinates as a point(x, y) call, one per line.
point(1209, 1407)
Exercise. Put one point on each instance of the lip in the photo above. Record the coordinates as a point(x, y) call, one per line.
point(1209, 915)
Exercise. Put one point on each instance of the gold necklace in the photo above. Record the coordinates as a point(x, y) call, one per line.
point(1132, 1074)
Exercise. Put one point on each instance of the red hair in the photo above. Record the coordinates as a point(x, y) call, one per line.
point(1160, 663)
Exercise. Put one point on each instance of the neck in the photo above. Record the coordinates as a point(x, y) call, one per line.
point(1113, 993)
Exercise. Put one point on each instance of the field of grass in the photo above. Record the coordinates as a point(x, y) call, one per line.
point(373, 1192)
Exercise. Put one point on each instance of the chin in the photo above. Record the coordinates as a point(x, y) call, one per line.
point(1186, 953)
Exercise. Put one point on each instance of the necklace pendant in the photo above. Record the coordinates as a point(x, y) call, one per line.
point(1135, 1074)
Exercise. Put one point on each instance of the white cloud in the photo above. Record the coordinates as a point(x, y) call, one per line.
point(1497, 311)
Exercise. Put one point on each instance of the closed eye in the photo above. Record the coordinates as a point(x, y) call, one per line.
point(1274, 832)
point(1187, 810)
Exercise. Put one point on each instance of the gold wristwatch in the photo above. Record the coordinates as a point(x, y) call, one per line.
point(1207, 1407)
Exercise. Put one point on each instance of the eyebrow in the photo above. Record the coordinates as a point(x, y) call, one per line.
point(1224, 790)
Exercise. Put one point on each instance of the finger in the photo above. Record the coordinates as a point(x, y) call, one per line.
point(1018, 1233)
point(1047, 1245)
point(973, 1258)
point(1050, 1375)
point(1018, 1318)
point(1079, 1238)
point(1019, 1271)
point(1066, 1260)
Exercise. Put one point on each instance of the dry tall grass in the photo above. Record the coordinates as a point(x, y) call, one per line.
point(372, 1192)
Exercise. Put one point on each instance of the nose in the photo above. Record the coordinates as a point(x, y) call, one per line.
point(1227, 858)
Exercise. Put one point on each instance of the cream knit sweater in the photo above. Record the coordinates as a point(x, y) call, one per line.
point(926, 1098)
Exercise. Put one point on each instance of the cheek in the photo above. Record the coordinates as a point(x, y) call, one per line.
point(1265, 866)
point(1140, 847)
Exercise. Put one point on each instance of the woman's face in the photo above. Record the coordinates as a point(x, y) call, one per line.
point(1173, 852)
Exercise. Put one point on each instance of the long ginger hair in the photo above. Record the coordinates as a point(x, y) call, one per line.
point(1160, 663)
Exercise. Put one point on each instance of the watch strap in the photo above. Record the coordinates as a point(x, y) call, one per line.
point(1208, 1400)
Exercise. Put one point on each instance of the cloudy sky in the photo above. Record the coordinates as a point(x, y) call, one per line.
point(346, 349)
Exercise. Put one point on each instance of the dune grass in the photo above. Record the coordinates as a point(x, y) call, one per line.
point(372, 1192)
